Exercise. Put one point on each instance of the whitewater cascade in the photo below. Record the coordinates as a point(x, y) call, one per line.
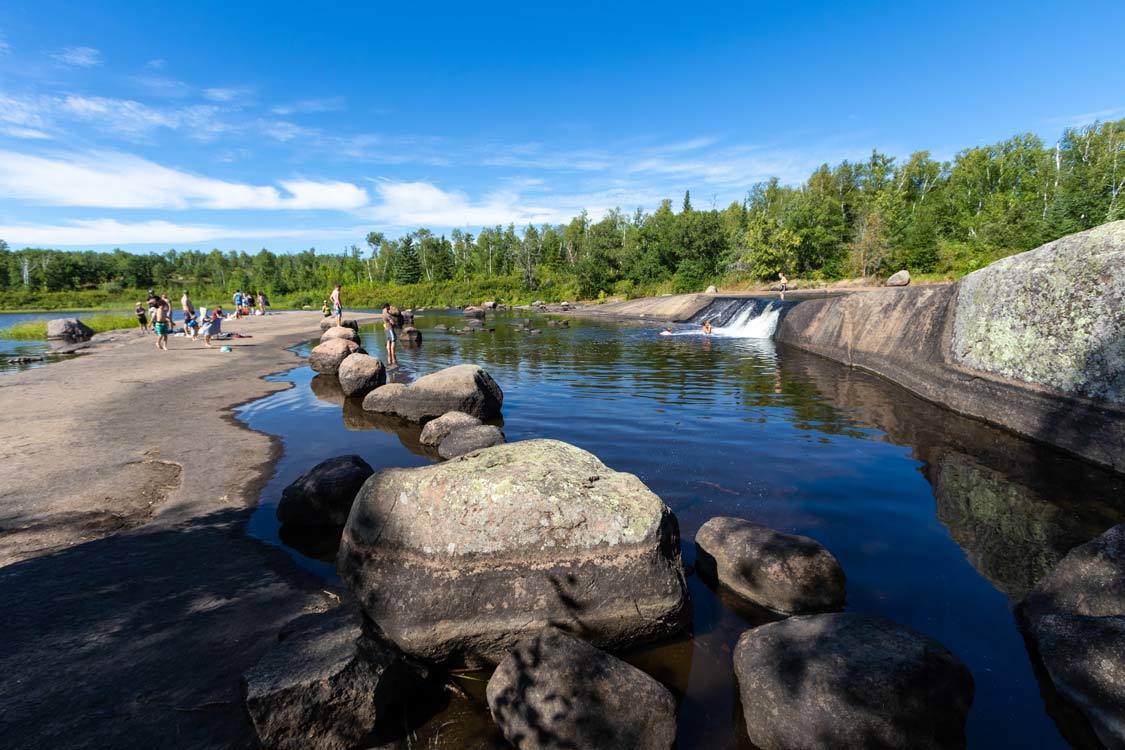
point(752, 318)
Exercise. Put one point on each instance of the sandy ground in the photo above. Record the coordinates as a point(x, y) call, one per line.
point(130, 599)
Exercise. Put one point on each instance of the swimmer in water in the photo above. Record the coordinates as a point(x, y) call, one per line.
point(666, 332)
point(706, 328)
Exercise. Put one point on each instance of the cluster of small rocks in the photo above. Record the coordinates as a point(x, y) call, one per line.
point(456, 433)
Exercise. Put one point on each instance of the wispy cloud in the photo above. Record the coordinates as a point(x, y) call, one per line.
point(226, 93)
point(156, 64)
point(1085, 118)
point(111, 232)
point(78, 57)
point(310, 106)
point(116, 180)
point(281, 130)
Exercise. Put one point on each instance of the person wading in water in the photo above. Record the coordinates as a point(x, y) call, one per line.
point(390, 324)
point(784, 282)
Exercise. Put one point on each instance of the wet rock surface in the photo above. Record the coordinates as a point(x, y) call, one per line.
point(462, 559)
point(438, 429)
point(464, 388)
point(360, 374)
point(1075, 617)
point(786, 573)
point(469, 439)
point(323, 496)
point(846, 680)
point(327, 357)
point(555, 691)
point(327, 684)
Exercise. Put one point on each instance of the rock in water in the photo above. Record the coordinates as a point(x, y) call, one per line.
point(330, 322)
point(490, 305)
point(323, 495)
point(901, 278)
point(787, 573)
point(339, 332)
point(442, 327)
point(845, 680)
point(462, 559)
point(327, 685)
point(473, 312)
point(411, 335)
point(711, 290)
point(327, 357)
point(1076, 618)
point(436, 430)
point(1053, 316)
point(360, 374)
point(465, 388)
point(69, 329)
point(469, 439)
point(555, 691)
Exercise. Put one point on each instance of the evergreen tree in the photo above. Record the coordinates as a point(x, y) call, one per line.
point(407, 269)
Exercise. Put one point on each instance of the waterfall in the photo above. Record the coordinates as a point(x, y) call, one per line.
point(752, 318)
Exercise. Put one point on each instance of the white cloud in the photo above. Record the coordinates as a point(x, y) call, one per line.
point(133, 120)
point(78, 57)
point(156, 64)
point(1086, 118)
point(310, 106)
point(116, 180)
point(226, 93)
point(283, 131)
point(111, 232)
point(28, 133)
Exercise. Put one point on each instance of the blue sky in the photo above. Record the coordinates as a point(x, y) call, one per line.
point(290, 125)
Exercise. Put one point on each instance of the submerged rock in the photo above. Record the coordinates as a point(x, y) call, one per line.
point(340, 332)
point(411, 335)
point(69, 329)
point(327, 685)
point(324, 494)
point(556, 691)
point(473, 312)
point(465, 388)
point(845, 680)
point(442, 327)
point(327, 357)
point(901, 278)
point(786, 573)
point(1075, 617)
point(360, 374)
point(469, 439)
point(436, 430)
point(462, 559)
point(330, 322)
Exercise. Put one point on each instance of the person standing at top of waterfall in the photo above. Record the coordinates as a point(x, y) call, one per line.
point(390, 323)
point(337, 304)
point(784, 282)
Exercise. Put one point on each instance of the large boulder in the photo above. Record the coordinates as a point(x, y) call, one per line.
point(340, 332)
point(787, 573)
point(462, 559)
point(411, 336)
point(438, 429)
point(1054, 316)
point(490, 305)
point(555, 691)
point(473, 312)
point(469, 439)
point(711, 290)
point(326, 358)
point(900, 278)
point(68, 329)
point(324, 494)
point(846, 680)
point(466, 388)
point(360, 374)
point(1075, 617)
point(330, 322)
point(327, 685)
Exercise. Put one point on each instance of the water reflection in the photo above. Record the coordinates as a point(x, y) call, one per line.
point(938, 520)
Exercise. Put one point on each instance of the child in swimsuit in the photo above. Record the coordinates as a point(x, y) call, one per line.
point(142, 318)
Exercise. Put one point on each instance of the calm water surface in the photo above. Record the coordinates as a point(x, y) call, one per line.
point(940, 523)
point(17, 348)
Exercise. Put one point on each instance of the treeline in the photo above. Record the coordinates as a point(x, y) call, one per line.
point(866, 218)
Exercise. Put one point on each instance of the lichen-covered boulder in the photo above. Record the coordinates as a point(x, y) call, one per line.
point(323, 495)
point(469, 439)
point(327, 685)
point(360, 374)
point(556, 691)
point(901, 278)
point(68, 329)
point(340, 332)
point(330, 322)
point(462, 559)
point(846, 680)
point(465, 388)
point(326, 358)
point(436, 430)
point(787, 573)
point(1076, 618)
point(1054, 316)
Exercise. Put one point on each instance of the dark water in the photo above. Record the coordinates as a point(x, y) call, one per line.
point(940, 522)
point(10, 348)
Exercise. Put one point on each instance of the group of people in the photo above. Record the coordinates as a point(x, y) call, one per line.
point(393, 321)
point(159, 311)
point(250, 303)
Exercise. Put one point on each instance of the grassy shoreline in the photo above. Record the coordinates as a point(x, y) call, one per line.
point(35, 330)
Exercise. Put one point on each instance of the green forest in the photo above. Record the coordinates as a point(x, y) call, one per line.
point(865, 219)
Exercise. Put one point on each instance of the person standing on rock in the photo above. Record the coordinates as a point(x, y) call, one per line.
point(142, 318)
point(186, 306)
point(162, 325)
point(337, 305)
point(389, 325)
point(212, 326)
point(784, 282)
